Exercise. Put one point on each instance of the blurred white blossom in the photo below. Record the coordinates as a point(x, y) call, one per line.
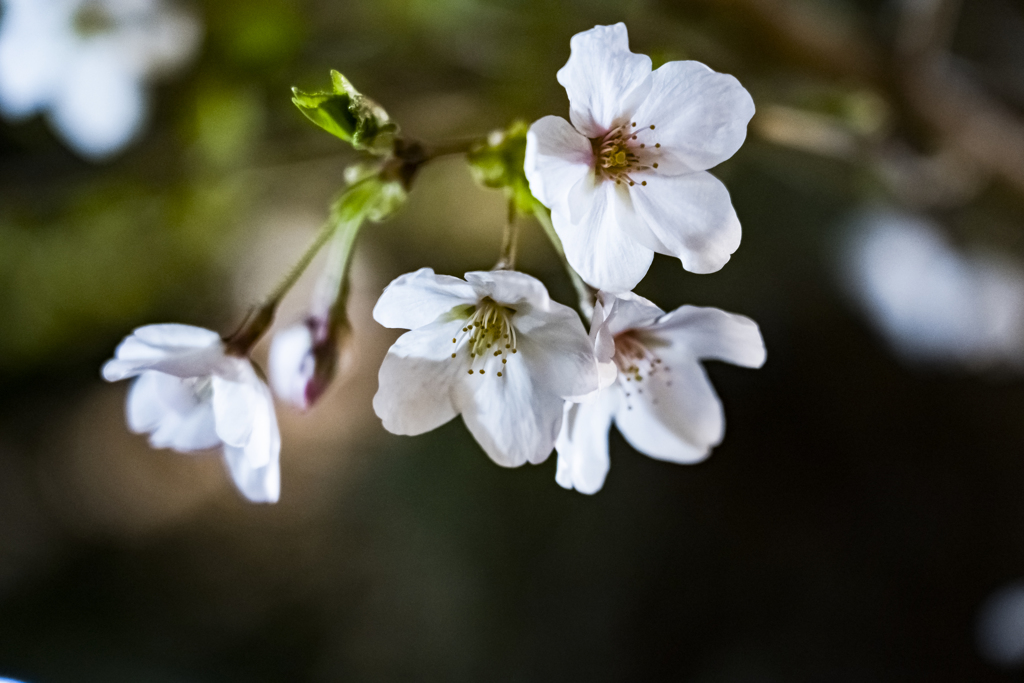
point(931, 302)
point(629, 177)
point(1000, 627)
point(85, 63)
point(494, 348)
point(652, 385)
point(191, 395)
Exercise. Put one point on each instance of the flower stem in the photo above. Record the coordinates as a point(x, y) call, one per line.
point(260, 317)
point(584, 292)
point(509, 240)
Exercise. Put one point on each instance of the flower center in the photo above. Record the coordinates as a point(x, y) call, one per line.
point(487, 336)
point(201, 388)
point(620, 152)
point(636, 362)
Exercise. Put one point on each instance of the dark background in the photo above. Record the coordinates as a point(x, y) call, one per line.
point(856, 516)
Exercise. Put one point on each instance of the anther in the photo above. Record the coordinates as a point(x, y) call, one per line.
point(514, 350)
point(453, 340)
point(471, 372)
point(453, 355)
point(657, 144)
point(634, 124)
point(655, 164)
point(643, 182)
point(497, 353)
point(504, 360)
point(642, 145)
point(499, 374)
point(631, 183)
point(481, 372)
point(652, 126)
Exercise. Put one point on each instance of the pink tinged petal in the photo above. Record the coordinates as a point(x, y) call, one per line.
point(605, 82)
point(557, 156)
point(713, 334)
point(692, 215)
point(415, 381)
point(556, 351)
point(510, 417)
point(235, 405)
point(598, 249)
point(700, 116)
point(604, 346)
point(582, 443)
point(417, 299)
point(509, 287)
point(674, 415)
point(291, 364)
point(627, 311)
point(101, 105)
point(255, 468)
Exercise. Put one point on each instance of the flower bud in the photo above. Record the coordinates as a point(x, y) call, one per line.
point(497, 161)
point(303, 361)
point(348, 114)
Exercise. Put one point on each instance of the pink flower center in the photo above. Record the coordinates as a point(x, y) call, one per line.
point(620, 152)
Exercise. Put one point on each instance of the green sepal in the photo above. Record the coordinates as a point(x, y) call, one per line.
point(497, 161)
point(348, 114)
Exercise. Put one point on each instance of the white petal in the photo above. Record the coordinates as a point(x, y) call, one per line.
point(291, 364)
point(627, 311)
point(510, 418)
point(693, 217)
point(417, 299)
point(557, 156)
point(710, 333)
point(415, 381)
point(235, 406)
point(155, 347)
point(100, 106)
point(167, 407)
point(605, 82)
point(510, 287)
point(603, 254)
point(177, 336)
point(556, 351)
point(700, 116)
point(601, 337)
point(673, 415)
point(582, 443)
point(256, 468)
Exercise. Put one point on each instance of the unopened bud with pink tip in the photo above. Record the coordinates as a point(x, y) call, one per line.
point(304, 360)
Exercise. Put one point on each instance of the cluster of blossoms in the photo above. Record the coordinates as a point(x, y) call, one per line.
point(627, 178)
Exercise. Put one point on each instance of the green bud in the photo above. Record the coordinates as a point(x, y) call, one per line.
point(372, 198)
point(497, 161)
point(348, 114)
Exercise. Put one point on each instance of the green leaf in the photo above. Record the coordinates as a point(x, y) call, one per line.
point(348, 114)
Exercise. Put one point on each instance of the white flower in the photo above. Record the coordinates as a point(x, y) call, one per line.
point(628, 177)
point(493, 347)
point(932, 303)
point(653, 385)
point(85, 62)
point(191, 395)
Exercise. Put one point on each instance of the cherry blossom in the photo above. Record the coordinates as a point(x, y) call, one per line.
point(628, 177)
point(191, 394)
point(653, 386)
point(494, 348)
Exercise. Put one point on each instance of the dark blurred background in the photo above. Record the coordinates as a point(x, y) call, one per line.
point(865, 506)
